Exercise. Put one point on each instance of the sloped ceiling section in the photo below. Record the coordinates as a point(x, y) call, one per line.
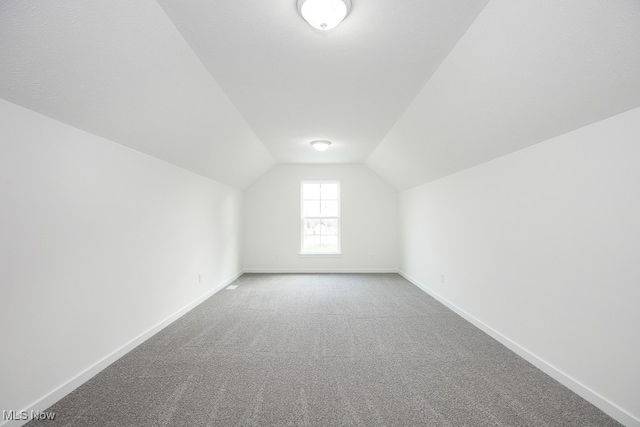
point(525, 71)
point(121, 70)
point(294, 84)
point(416, 89)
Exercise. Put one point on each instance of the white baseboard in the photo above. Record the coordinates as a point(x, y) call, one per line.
point(572, 384)
point(49, 399)
point(318, 271)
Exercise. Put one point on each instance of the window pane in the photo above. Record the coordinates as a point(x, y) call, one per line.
point(330, 191)
point(311, 227)
point(311, 191)
point(311, 243)
point(329, 244)
point(330, 226)
point(311, 208)
point(329, 208)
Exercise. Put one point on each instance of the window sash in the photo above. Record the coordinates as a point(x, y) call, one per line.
point(320, 218)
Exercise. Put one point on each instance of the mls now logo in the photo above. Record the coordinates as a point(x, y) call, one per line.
point(27, 415)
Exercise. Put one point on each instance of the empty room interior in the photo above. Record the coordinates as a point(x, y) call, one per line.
point(320, 212)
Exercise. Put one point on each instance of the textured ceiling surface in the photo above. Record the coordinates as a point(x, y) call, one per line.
point(417, 89)
point(525, 71)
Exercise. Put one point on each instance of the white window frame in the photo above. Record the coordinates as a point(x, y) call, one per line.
point(302, 218)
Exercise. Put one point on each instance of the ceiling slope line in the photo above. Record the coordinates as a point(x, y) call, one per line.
point(195, 53)
point(426, 81)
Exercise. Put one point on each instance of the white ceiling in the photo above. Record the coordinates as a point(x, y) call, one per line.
point(121, 70)
point(525, 71)
point(418, 89)
point(293, 83)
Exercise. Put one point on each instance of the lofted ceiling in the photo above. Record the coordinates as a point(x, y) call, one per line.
point(294, 84)
point(416, 90)
point(121, 70)
point(524, 72)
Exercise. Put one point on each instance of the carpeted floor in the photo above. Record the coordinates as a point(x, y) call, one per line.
point(323, 350)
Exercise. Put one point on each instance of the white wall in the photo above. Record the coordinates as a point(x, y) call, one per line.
point(98, 244)
point(543, 247)
point(368, 220)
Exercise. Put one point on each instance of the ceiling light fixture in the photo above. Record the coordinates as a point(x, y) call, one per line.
point(320, 145)
point(324, 14)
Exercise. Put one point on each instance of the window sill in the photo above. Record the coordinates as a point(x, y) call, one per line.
point(321, 254)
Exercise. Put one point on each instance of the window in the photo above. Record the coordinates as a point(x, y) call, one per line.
point(320, 217)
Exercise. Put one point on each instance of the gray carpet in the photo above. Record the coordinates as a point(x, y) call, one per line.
point(323, 350)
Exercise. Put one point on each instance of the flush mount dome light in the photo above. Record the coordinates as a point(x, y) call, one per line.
point(324, 14)
point(320, 145)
